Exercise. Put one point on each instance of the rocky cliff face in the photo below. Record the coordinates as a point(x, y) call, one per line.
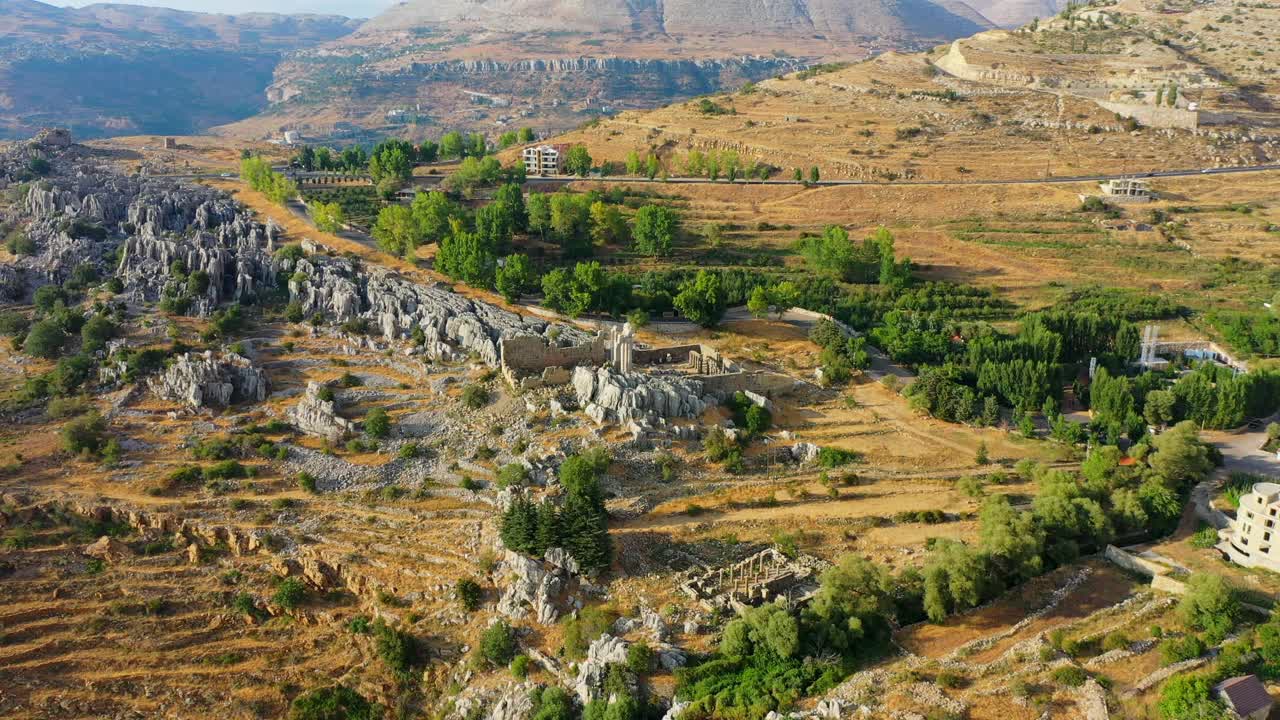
point(607, 395)
point(454, 326)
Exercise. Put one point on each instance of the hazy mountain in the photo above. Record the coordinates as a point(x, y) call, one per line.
point(833, 19)
point(425, 65)
point(121, 69)
point(1015, 13)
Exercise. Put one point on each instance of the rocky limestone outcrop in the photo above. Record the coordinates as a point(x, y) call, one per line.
point(804, 453)
point(454, 326)
point(199, 380)
point(85, 211)
point(108, 549)
point(604, 651)
point(608, 395)
point(316, 416)
point(537, 589)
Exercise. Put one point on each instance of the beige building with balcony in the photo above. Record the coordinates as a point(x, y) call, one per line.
point(1253, 538)
point(544, 160)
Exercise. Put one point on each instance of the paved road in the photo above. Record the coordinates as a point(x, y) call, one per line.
point(432, 180)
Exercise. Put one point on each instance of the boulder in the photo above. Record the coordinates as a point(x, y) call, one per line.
point(107, 549)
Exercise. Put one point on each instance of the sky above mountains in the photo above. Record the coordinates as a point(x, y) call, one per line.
point(350, 8)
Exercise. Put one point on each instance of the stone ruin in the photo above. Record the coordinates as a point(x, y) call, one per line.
point(761, 578)
point(200, 380)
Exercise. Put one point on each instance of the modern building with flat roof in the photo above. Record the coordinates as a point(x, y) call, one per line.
point(544, 159)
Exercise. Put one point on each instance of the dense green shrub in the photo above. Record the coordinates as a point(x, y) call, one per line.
point(498, 644)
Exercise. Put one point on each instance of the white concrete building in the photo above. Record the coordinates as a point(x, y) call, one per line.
point(544, 159)
point(1253, 538)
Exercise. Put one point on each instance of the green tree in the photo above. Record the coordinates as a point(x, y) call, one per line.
point(702, 300)
point(654, 229)
point(652, 166)
point(1210, 604)
point(539, 210)
point(813, 174)
point(1186, 697)
point(45, 339)
point(498, 644)
point(96, 331)
point(633, 163)
point(451, 145)
point(526, 135)
point(607, 225)
point(432, 213)
point(758, 302)
point(578, 161)
point(784, 296)
point(377, 424)
point(290, 593)
point(396, 231)
point(328, 217)
point(1179, 456)
point(513, 277)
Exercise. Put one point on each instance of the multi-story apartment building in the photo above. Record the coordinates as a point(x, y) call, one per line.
point(1253, 538)
point(544, 159)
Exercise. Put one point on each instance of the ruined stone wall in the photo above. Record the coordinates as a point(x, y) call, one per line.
point(531, 354)
point(660, 355)
point(769, 384)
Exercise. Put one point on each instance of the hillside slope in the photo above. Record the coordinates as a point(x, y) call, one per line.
point(1125, 89)
point(122, 69)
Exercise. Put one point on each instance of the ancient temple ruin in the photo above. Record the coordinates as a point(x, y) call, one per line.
point(761, 578)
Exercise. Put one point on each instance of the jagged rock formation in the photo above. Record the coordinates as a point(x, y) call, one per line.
point(536, 588)
point(317, 416)
point(604, 650)
point(201, 380)
point(607, 395)
point(454, 326)
point(84, 212)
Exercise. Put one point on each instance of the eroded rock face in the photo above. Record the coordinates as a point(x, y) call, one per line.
point(536, 588)
point(199, 380)
point(610, 396)
point(316, 416)
point(604, 650)
point(85, 211)
point(454, 326)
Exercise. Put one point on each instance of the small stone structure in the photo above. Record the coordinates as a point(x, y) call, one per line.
point(760, 578)
point(1126, 190)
